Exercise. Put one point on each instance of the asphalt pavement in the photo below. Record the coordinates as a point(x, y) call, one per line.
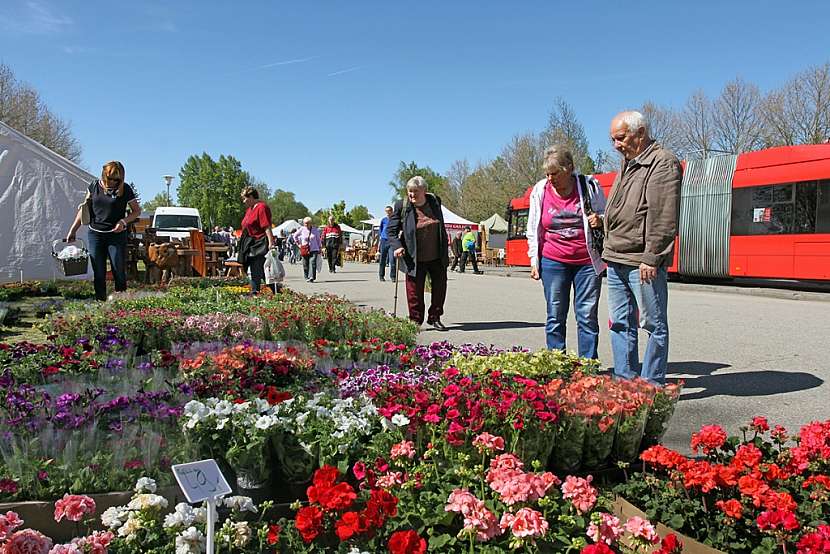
point(740, 353)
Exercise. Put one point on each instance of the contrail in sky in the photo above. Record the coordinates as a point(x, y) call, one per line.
point(286, 62)
point(341, 72)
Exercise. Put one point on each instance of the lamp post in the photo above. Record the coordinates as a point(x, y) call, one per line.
point(169, 179)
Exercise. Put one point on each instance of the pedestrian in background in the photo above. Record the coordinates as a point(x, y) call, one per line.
point(468, 246)
point(308, 240)
point(418, 237)
point(257, 238)
point(640, 226)
point(108, 200)
point(564, 207)
point(384, 248)
point(332, 238)
point(455, 246)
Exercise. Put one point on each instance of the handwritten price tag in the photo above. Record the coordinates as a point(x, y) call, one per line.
point(201, 480)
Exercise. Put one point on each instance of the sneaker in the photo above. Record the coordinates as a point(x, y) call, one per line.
point(308, 279)
point(437, 325)
point(382, 279)
point(478, 272)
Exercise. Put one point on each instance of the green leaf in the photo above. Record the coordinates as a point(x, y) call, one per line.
point(439, 541)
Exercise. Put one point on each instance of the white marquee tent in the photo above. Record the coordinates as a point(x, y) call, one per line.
point(39, 196)
point(287, 226)
point(451, 220)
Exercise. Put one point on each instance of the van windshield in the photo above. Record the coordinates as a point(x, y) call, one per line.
point(173, 221)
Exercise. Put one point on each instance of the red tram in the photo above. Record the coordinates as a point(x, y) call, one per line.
point(763, 214)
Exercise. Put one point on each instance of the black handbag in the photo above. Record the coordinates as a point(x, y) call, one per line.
point(597, 235)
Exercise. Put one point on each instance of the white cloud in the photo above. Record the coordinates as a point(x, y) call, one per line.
point(35, 18)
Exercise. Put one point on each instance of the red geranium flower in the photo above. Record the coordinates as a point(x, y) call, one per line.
point(670, 545)
point(407, 542)
point(309, 522)
point(599, 548)
point(273, 534)
point(349, 525)
point(732, 508)
point(710, 437)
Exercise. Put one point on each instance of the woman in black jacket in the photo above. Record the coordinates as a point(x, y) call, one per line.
point(418, 237)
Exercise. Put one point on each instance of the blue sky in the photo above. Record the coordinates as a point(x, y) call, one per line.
point(326, 98)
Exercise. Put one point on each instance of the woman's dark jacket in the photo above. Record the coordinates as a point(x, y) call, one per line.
point(401, 232)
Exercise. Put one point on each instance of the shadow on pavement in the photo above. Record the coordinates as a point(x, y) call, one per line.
point(333, 281)
point(745, 383)
point(491, 325)
point(694, 368)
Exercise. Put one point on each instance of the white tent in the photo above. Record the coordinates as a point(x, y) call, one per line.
point(495, 224)
point(455, 221)
point(374, 222)
point(287, 226)
point(352, 234)
point(39, 196)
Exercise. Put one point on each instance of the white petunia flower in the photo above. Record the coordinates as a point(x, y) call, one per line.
point(114, 517)
point(144, 501)
point(400, 420)
point(264, 422)
point(145, 484)
point(183, 516)
point(190, 541)
point(240, 503)
point(242, 533)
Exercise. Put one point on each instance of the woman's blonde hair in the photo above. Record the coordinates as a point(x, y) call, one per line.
point(558, 156)
point(114, 168)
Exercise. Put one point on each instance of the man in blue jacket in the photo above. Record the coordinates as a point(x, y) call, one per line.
point(384, 248)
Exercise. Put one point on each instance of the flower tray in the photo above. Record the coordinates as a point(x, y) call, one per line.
point(39, 515)
point(624, 510)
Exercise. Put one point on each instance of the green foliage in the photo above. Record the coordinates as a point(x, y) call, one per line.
point(436, 183)
point(285, 206)
point(157, 201)
point(338, 210)
point(213, 187)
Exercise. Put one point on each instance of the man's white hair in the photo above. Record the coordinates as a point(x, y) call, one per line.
point(416, 182)
point(634, 120)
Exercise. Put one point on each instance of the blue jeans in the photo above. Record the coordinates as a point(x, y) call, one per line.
point(558, 278)
point(386, 258)
point(102, 246)
point(626, 297)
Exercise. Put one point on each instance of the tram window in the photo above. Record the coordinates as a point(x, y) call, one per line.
point(823, 207)
point(805, 208)
point(774, 209)
point(518, 224)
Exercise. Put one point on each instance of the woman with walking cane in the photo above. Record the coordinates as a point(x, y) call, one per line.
point(418, 238)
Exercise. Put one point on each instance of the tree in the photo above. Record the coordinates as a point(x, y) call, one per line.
point(213, 187)
point(737, 117)
point(664, 126)
point(436, 183)
point(564, 128)
point(697, 125)
point(158, 200)
point(22, 108)
point(358, 214)
point(606, 161)
point(799, 112)
point(284, 206)
point(457, 175)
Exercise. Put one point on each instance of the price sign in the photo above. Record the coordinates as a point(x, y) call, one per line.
point(201, 480)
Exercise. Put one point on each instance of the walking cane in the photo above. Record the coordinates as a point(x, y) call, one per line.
point(395, 308)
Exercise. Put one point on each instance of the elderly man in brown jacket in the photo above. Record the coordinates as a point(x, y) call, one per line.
point(640, 226)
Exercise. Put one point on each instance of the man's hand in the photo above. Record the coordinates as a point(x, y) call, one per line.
point(399, 252)
point(647, 273)
point(594, 221)
point(534, 273)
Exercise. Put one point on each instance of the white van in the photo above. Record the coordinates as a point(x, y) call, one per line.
point(176, 222)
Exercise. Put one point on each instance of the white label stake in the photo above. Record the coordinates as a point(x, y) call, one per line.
point(203, 481)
